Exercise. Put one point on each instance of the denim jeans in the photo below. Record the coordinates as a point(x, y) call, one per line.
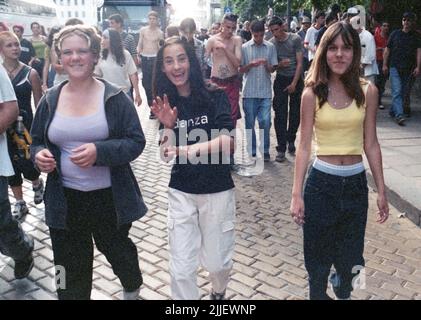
point(287, 119)
point(260, 108)
point(147, 71)
point(13, 242)
point(92, 215)
point(380, 80)
point(335, 221)
point(399, 83)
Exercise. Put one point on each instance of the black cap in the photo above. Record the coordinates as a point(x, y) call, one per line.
point(275, 20)
point(410, 15)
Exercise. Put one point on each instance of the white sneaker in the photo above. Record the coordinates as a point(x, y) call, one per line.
point(39, 192)
point(131, 295)
point(21, 210)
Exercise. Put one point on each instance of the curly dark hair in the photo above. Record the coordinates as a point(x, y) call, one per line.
point(162, 85)
point(116, 46)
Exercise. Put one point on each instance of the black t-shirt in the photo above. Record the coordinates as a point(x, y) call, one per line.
point(27, 51)
point(202, 178)
point(403, 50)
point(246, 35)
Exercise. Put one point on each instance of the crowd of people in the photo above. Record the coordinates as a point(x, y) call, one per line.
point(329, 77)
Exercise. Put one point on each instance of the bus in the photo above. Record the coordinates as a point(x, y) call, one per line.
point(134, 13)
point(24, 12)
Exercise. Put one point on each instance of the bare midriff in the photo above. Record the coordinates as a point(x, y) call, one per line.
point(341, 160)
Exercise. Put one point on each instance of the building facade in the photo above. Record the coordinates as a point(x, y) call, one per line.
point(85, 10)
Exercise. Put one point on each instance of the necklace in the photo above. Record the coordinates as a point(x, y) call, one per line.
point(335, 103)
point(10, 72)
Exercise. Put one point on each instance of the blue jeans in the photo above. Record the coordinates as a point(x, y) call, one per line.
point(399, 82)
point(147, 71)
point(13, 242)
point(260, 108)
point(335, 221)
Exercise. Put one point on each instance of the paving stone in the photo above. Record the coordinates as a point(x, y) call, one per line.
point(148, 294)
point(155, 240)
point(105, 272)
point(109, 287)
point(248, 281)
point(48, 283)
point(242, 269)
point(271, 280)
point(240, 288)
point(41, 294)
point(152, 282)
point(99, 295)
point(273, 292)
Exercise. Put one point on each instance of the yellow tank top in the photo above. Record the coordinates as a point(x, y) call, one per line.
point(339, 131)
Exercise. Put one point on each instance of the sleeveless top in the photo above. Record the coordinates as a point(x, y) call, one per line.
point(23, 90)
point(340, 131)
point(39, 46)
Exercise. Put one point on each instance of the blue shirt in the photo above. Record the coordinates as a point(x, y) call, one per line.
point(257, 82)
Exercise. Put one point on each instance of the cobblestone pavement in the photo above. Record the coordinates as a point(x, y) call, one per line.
point(268, 253)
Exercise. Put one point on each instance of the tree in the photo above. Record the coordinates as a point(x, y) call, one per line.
point(391, 9)
point(248, 9)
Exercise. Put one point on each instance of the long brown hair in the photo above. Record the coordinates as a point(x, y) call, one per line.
point(319, 72)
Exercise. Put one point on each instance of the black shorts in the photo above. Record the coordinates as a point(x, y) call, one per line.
point(23, 167)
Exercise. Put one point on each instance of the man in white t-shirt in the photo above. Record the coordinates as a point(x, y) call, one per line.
point(311, 35)
point(13, 242)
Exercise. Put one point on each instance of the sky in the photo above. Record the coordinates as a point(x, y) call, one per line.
point(184, 8)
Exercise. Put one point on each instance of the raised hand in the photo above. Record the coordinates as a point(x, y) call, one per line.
point(163, 111)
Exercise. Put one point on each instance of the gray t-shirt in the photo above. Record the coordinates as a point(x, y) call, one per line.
point(288, 49)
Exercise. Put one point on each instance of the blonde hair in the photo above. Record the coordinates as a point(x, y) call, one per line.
point(85, 32)
point(153, 14)
point(4, 35)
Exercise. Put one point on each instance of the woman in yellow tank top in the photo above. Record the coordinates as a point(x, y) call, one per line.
point(341, 110)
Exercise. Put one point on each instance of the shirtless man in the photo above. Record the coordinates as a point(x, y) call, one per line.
point(225, 50)
point(148, 46)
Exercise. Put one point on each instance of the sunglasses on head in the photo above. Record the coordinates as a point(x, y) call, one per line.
point(406, 19)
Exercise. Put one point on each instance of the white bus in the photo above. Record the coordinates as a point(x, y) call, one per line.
point(24, 12)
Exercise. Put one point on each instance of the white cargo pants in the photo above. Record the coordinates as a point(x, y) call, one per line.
point(201, 231)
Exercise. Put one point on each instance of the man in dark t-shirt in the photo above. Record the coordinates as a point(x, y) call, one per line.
point(403, 54)
point(287, 87)
point(245, 33)
point(27, 50)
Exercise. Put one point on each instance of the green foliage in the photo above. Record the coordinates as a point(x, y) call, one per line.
point(252, 9)
point(248, 9)
point(393, 11)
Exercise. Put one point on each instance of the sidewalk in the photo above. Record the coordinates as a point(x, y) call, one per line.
point(401, 149)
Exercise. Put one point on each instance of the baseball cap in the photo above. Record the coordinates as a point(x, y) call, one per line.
point(306, 20)
point(352, 11)
point(409, 15)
